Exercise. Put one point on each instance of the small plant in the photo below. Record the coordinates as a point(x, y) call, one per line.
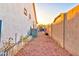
point(21, 38)
point(24, 38)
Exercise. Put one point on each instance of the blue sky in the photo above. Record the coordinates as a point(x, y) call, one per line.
point(46, 12)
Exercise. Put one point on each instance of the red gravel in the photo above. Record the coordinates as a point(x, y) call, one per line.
point(42, 46)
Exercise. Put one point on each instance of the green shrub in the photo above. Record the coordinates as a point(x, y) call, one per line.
point(24, 38)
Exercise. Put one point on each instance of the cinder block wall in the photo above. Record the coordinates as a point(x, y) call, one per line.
point(57, 30)
point(49, 30)
point(72, 33)
point(71, 39)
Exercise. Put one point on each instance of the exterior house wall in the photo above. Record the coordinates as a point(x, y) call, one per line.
point(15, 21)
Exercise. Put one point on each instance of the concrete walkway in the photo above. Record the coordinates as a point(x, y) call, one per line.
point(42, 46)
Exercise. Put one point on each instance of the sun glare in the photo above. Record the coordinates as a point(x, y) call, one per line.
point(43, 19)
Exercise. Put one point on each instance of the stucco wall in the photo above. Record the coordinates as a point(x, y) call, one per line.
point(14, 20)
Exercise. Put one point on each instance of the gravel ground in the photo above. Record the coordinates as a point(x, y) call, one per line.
point(42, 46)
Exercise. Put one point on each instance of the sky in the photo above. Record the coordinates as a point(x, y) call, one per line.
point(46, 12)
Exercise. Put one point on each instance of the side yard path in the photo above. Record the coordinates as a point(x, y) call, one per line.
point(42, 46)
